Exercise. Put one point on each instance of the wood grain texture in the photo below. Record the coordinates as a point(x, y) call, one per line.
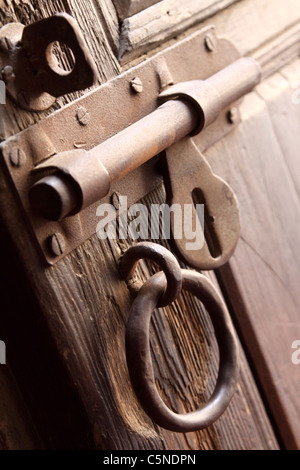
point(94, 27)
point(162, 21)
point(248, 23)
point(85, 304)
point(95, 304)
point(126, 8)
point(109, 21)
point(261, 162)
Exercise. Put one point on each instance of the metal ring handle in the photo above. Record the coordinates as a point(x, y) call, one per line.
point(139, 357)
point(161, 256)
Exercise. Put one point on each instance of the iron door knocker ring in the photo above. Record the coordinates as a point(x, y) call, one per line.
point(139, 357)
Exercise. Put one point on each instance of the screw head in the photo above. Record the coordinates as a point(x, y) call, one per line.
point(136, 85)
point(82, 115)
point(115, 200)
point(17, 156)
point(232, 115)
point(210, 42)
point(7, 74)
point(57, 244)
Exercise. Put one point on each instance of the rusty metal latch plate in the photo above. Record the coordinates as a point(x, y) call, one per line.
point(103, 113)
point(29, 68)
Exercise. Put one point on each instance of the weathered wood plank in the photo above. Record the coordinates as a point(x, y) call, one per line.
point(126, 8)
point(260, 161)
point(85, 305)
point(95, 305)
point(109, 21)
point(244, 23)
point(94, 28)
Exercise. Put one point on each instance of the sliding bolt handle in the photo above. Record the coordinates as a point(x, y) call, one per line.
point(92, 172)
point(199, 104)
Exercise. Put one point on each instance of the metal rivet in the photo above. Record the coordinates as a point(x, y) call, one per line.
point(115, 200)
point(82, 115)
point(57, 244)
point(164, 74)
point(232, 115)
point(8, 74)
point(210, 42)
point(23, 98)
point(17, 156)
point(136, 85)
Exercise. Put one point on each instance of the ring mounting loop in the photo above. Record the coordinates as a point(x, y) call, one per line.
point(139, 356)
point(161, 256)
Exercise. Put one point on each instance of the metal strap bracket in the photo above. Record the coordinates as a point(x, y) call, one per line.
point(29, 67)
point(89, 129)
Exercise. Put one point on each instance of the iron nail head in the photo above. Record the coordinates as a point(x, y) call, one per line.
point(57, 244)
point(210, 42)
point(82, 115)
point(17, 156)
point(136, 85)
point(115, 200)
point(7, 74)
point(232, 115)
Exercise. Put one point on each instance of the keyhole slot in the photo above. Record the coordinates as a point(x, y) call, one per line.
point(210, 234)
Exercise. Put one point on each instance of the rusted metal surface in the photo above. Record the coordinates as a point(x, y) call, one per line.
point(165, 260)
point(93, 172)
point(193, 106)
point(139, 357)
point(122, 106)
point(219, 91)
point(30, 69)
point(189, 180)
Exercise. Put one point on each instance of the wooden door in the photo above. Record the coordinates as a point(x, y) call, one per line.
point(66, 384)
